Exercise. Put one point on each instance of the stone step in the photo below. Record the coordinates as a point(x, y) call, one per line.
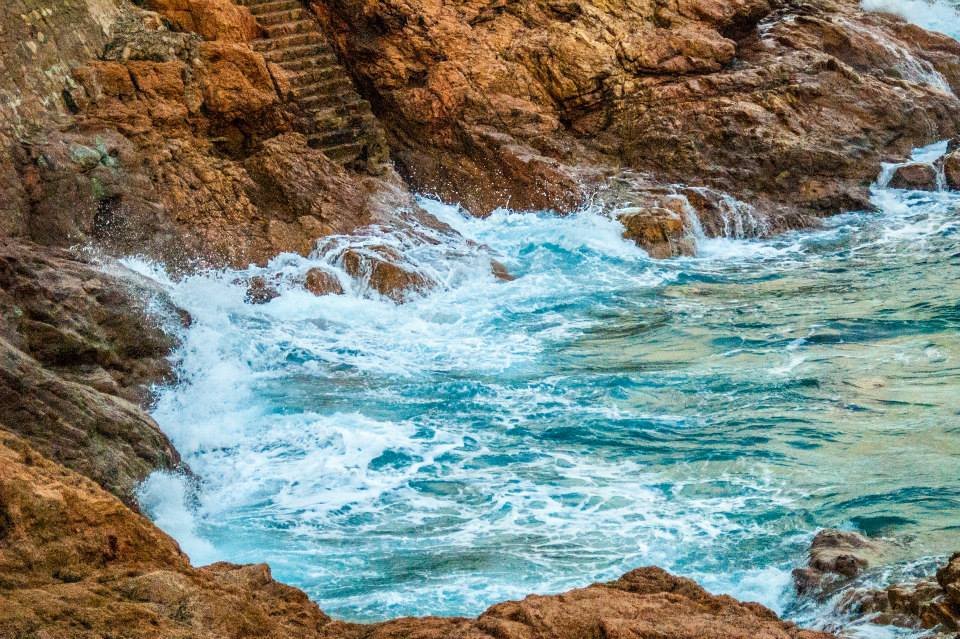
point(328, 139)
point(290, 41)
point(335, 86)
point(343, 153)
point(318, 101)
point(278, 17)
point(293, 61)
point(314, 73)
point(272, 6)
point(275, 31)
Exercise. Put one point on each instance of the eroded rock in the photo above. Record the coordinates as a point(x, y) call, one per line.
point(931, 603)
point(917, 176)
point(951, 170)
point(322, 282)
point(381, 268)
point(835, 556)
point(76, 563)
point(77, 356)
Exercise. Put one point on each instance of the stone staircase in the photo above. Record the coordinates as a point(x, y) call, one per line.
point(335, 119)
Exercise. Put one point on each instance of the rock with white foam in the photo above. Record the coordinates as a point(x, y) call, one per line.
point(915, 176)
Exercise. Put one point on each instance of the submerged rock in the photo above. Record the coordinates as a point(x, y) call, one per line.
point(260, 291)
point(917, 176)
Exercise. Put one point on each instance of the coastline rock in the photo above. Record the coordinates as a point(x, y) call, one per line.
point(951, 170)
point(260, 291)
point(926, 604)
point(380, 267)
point(790, 106)
point(321, 282)
point(835, 557)
point(77, 355)
point(661, 232)
point(75, 563)
point(917, 176)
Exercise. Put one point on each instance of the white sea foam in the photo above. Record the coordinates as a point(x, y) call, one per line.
point(935, 15)
point(438, 456)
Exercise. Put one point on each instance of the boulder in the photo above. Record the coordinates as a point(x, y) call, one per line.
point(916, 176)
point(322, 282)
point(381, 268)
point(835, 557)
point(211, 19)
point(260, 291)
point(659, 231)
point(951, 170)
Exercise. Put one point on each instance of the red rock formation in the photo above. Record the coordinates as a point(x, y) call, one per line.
point(786, 105)
point(75, 563)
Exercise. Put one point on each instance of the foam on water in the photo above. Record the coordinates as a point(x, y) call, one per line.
point(935, 15)
point(600, 412)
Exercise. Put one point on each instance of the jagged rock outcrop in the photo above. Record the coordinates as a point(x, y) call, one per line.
point(77, 353)
point(835, 557)
point(932, 603)
point(787, 105)
point(183, 144)
point(75, 563)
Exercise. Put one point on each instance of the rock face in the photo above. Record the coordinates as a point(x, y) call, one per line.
point(77, 352)
point(787, 105)
point(928, 603)
point(182, 144)
point(115, 570)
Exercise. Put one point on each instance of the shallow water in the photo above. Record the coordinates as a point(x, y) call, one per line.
point(601, 412)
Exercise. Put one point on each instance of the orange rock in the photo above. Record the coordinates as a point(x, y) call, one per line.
point(321, 282)
point(212, 19)
point(659, 231)
point(235, 80)
point(380, 268)
point(917, 176)
point(951, 170)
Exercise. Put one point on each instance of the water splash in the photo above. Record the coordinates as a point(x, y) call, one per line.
point(602, 411)
point(934, 15)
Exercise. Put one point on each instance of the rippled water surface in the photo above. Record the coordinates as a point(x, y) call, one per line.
point(601, 412)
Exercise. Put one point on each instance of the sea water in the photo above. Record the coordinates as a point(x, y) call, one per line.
point(600, 412)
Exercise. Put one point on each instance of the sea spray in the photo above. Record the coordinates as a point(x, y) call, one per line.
point(600, 412)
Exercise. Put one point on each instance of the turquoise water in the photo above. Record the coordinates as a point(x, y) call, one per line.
point(601, 412)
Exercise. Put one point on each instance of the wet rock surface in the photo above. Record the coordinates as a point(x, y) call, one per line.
point(915, 176)
point(77, 356)
point(790, 106)
point(835, 557)
point(116, 570)
point(931, 603)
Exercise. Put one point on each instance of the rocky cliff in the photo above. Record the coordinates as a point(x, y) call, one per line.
point(208, 132)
